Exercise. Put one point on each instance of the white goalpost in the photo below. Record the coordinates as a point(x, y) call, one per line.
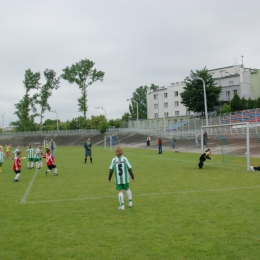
point(228, 133)
point(110, 141)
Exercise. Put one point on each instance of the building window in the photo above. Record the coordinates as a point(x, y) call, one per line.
point(165, 95)
point(187, 112)
point(176, 103)
point(166, 105)
point(176, 93)
point(227, 95)
point(158, 122)
point(175, 120)
point(155, 106)
point(155, 96)
point(176, 113)
point(231, 83)
point(166, 114)
point(235, 91)
point(155, 114)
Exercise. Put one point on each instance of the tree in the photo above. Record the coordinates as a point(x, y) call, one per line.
point(244, 103)
point(193, 95)
point(46, 91)
point(257, 103)
point(251, 103)
point(27, 103)
point(139, 96)
point(83, 74)
point(236, 104)
point(226, 109)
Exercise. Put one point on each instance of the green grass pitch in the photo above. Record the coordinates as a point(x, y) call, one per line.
point(179, 211)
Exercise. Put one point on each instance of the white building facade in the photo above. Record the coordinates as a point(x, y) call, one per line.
point(166, 102)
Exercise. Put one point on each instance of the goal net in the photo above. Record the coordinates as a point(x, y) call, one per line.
point(232, 141)
point(110, 141)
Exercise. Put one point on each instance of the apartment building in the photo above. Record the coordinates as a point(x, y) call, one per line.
point(166, 102)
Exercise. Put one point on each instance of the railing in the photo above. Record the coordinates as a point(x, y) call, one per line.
point(53, 132)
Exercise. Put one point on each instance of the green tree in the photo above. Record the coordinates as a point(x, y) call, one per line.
point(244, 104)
point(236, 104)
point(83, 74)
point(139, 96)
point(257, 103)
point(193, 95)
point(226, 109)
point(25, 109)
point(52, 82)
point(251, 103)
point(95, 121)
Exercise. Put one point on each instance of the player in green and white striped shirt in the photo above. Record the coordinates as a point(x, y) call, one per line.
point(1, 158)
point(30, 152)
point(15, 152)
point(122, 168)
point(37, 157)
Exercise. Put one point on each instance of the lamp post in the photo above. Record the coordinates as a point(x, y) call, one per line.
point(137, 112)
point(102, 109)
point(3, 122)
point(55, 111)
point(205, 99)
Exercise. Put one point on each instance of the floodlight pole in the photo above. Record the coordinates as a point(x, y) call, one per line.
point(205, 99)
point(55, 111)
point(137, 112)
point(3, 122)
point(102, 109)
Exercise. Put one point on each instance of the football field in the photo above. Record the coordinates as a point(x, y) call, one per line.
point(179, 211)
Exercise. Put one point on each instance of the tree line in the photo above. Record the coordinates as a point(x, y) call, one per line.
point(82, 73)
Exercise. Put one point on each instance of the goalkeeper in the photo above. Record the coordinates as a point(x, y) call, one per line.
point(204, 157)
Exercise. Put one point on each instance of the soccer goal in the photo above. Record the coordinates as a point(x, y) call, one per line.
point(110, 141)
point(233, 141)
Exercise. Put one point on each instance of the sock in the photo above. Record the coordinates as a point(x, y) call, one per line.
point(121, 198)
point(32, 165)
point(90, 159)
point(17, 176)
point(85, 160)
point(129, 195)
point(55, 170)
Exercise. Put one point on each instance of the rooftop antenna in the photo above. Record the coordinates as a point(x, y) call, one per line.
point(242, 61)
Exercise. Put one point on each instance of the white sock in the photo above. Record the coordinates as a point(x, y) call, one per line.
point(121, 198)
point(32, 165)
point(17, 176)
point(55, 170)
point(129, 195)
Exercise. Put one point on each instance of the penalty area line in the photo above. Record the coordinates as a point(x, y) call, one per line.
point(24, 197)
point(145, 194)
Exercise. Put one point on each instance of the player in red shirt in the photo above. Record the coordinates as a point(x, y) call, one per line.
point(17, 166)
point(50, 163)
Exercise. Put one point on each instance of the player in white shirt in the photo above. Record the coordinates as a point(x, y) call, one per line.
point(122, 168)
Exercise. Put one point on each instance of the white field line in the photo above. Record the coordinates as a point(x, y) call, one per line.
point(145, 194)
point(23, 200)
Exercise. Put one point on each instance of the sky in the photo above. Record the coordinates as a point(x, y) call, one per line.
point(135, 42)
